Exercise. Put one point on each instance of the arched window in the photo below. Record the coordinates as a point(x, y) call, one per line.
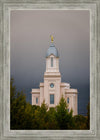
point(51, 61)
point(68, 100)
point(51, 98)
point(36, 100)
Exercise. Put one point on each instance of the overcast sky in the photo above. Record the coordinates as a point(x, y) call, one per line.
point(30, 38)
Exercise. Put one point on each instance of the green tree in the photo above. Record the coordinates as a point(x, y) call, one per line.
point(52, 121)
point(40, 117)
point(64, 118)
point(80, 122)
point(29, 116)
point(21, 116)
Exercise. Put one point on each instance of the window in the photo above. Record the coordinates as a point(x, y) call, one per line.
point(36, 100)
point(68, 109)
point(68, 100)
point(51, 61)
point(51, 98)
point(51, 85)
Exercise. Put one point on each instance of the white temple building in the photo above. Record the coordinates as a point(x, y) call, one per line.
point(52, 89)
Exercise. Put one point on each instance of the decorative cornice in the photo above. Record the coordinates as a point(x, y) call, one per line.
point(52, 76)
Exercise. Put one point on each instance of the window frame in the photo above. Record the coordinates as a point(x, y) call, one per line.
point(68, 100)
point(36, 100)
point(53, 99)
point(51, 61)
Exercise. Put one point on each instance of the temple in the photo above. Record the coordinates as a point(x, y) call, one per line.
point(53, 89)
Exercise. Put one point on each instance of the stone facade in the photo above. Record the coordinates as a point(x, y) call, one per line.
point(52, 89)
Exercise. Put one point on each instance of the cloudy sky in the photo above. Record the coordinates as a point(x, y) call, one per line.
point(30, 32)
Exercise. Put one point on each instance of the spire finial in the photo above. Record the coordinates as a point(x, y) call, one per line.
point(51, 38)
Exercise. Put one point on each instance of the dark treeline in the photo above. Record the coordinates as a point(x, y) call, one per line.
point(26, 116)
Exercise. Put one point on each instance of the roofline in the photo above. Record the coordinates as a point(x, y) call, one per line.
point(52, 54)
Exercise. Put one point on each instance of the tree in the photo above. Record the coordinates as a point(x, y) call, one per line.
point(52, 121)
point(20, 111)
point(64, 118)
point(40, 117)
point(80, 122)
